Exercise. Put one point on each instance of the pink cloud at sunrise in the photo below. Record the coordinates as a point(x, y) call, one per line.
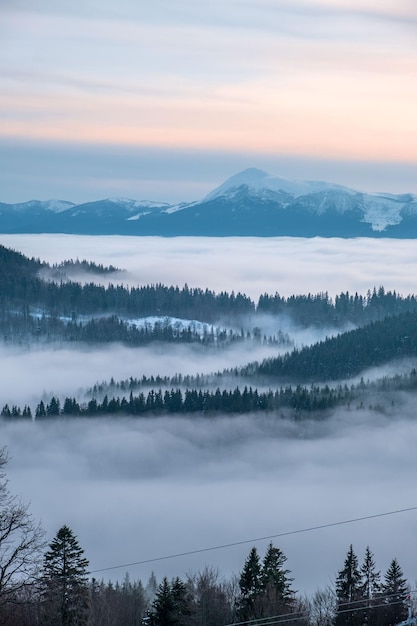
point(315, 80)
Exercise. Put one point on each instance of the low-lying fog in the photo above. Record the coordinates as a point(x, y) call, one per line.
point(30, 374)
point(136, 490)
point(141, 489)
point(250, 265)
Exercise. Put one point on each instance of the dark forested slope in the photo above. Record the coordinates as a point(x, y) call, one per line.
point(72, 311)
point(346, 354)
point(22, 285)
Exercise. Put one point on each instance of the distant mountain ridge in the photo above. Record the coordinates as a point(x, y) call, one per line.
point(251, 203)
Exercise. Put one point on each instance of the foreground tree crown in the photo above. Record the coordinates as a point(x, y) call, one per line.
point(65, 583)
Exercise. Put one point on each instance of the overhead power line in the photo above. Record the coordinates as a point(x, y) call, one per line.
point(255, 540)
point(355, 606)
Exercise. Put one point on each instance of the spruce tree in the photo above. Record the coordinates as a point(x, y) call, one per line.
point(370, 589)
point(348, 591)
point(277, 595)
point(64, 582)
point(172, 605)
point(182, 601)
point(265, 588)
point(163, 607)
point(40, 410)
point(395, 590)
point(250, 587)
point(53, 408)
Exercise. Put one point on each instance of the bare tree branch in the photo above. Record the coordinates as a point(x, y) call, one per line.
point(21, 541)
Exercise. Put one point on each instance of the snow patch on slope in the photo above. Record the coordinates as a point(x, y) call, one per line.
point(381, 212)
point(174, 208)
point(200, 328)
point(139, 204)
point(138, 216)
point(55, 206)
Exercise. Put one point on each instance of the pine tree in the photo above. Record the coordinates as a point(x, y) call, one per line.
point(348, 584)
point(64, 582)
point(395, 590)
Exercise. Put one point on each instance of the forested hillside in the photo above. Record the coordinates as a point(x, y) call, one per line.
point(301, 387)
point(35, 309)
point(346, 354)
point(21, 287)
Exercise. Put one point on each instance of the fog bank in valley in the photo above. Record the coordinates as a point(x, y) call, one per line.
point(140, 489)
point(250, 265)
point(32, 373)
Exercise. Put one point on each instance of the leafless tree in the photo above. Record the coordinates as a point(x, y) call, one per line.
point(21, 543)
point(213, 599)
point(321, 607)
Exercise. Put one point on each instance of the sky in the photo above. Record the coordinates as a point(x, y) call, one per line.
point(165, 100)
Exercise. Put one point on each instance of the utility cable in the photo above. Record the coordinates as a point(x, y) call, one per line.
point(352, 606)
point(257, 539)
point(302, 615)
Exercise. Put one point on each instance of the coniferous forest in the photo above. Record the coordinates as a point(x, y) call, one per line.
point(208, 313)
point(364, 331)
point(48, 580)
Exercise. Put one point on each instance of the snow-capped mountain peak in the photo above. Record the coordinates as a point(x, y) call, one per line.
point(250, 203)
point(257, 181)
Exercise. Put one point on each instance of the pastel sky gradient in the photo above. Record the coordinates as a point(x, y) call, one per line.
point(166, 99)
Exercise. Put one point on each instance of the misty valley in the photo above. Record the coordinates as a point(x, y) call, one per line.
point(42, 305)
point(208, 313)
point(172, 422)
